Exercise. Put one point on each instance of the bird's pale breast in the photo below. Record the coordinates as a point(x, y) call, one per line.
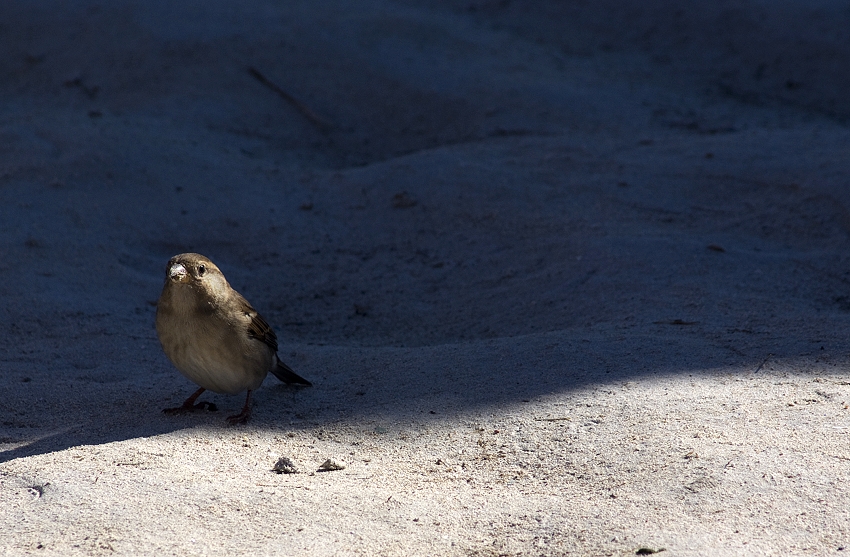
point(211, 351)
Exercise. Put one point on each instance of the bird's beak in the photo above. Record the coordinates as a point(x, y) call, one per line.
point(178, 273)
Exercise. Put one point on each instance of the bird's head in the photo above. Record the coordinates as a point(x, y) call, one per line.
point(192, 269)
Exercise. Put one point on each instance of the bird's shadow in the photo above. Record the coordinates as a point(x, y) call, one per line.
point(356, 385)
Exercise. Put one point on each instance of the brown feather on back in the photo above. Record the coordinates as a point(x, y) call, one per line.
point(257, 326)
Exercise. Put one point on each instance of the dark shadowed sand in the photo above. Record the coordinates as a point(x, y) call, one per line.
point(568, 277)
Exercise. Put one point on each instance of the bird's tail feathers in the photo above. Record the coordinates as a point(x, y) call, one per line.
point(285, 374)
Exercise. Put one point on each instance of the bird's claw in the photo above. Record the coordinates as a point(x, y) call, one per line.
point(239, 419)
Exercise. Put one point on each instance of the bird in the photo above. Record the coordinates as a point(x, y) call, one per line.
point(214, 336)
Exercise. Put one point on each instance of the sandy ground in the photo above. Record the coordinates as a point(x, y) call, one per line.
point(569, 277)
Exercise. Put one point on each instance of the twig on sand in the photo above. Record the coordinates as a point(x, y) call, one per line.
point(552, 419)
point(675, 322)
point(321, 124)
point(761, 365)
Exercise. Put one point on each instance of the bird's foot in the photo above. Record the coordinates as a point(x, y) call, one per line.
point(190, 406)
point(241, 418)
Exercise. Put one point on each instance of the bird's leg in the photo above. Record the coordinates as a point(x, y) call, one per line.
point(242, 417)
point(190, 406)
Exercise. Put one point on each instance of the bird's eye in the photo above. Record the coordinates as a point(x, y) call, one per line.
point(202, 269)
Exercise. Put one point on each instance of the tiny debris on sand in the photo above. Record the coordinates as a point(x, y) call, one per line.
point(330, 465)
point(284, 465)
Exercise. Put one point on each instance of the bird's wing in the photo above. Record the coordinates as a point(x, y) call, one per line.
point(257, 326)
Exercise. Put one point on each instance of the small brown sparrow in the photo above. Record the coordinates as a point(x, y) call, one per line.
point(213, 336)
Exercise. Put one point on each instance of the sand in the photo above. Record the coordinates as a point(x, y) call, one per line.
point(568, 278)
